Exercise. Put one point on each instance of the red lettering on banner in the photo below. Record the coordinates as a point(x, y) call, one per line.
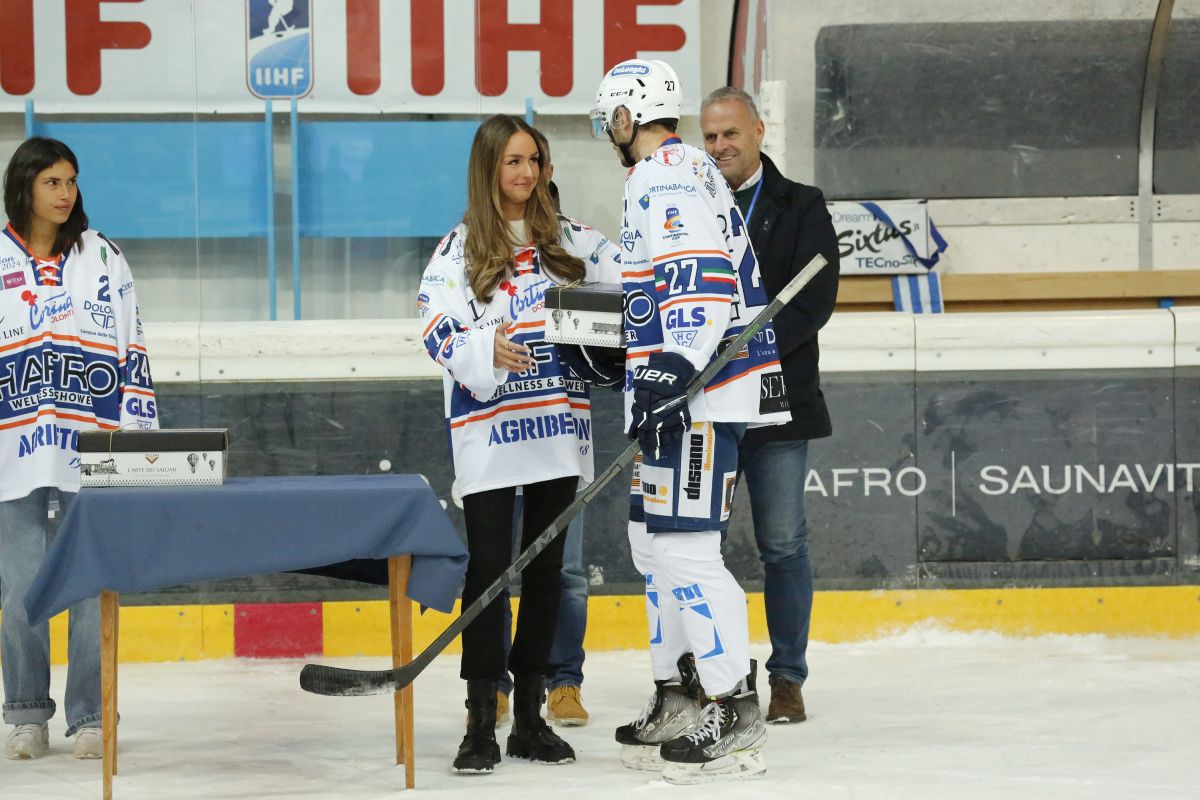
point(428, 35)
point(552, 37)
point(362, 46)
point(87, 37)
point(16, 46)
point(624, 38)
point(428, 46)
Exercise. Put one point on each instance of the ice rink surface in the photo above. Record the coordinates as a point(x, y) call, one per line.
point(926, 714)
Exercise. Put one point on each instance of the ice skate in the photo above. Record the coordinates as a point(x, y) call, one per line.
point(673, 708)
point(724, 745)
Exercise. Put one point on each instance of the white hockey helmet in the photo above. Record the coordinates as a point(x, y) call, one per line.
point(649, 89)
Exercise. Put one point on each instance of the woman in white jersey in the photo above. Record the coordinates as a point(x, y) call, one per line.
point(71, 359)
point(517, 415)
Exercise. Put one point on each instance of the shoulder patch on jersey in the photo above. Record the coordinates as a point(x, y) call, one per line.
point(671, 155)
point(111, 244)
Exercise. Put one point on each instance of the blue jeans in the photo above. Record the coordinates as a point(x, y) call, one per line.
point(566, 656)
point(774, 473)
point(25, 533)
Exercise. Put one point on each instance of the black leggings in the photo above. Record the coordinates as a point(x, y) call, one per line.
point(489, 539)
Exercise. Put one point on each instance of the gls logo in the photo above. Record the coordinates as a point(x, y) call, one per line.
point(675, 318)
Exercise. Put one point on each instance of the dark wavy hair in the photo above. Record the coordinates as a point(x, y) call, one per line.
point(33, 156)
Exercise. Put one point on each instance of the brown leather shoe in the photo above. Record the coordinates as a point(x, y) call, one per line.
point(787, 703)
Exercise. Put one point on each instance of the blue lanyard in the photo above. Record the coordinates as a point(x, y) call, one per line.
point(753, 200)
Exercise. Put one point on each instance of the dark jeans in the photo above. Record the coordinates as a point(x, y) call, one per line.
point(489, 540)
point(774, 474)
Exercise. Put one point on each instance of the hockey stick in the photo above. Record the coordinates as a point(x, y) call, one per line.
point(338, 682)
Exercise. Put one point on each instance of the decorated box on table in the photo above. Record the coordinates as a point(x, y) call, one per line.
point(586, 313)
point(153, 458)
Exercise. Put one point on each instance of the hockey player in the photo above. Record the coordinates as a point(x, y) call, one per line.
point(517, 416)
point(72, 358)
point(691, 281)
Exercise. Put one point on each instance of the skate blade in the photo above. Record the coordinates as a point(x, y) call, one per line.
point(742, 765)
point(646, 757)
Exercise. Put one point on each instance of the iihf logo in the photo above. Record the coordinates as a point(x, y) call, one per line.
point(279, 48)
point(674, 219)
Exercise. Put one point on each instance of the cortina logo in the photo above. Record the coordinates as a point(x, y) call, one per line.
point(674, 219)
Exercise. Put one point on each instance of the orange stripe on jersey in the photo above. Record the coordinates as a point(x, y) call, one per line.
point(54, 412)
point(646, 273)
point(99, 346)
point(694, 298)
point(673, 256)
point(524, 325)
point(515, 407)
point(135, 390)
point(741, 375)
point(432, 324)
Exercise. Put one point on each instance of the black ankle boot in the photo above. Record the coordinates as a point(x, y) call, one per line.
point(531, 737)
point(479, 752)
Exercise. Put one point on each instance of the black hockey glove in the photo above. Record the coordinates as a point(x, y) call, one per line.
point(660, 408)
point(602, 366)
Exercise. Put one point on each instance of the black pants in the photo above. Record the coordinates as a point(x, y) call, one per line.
point(489, 540)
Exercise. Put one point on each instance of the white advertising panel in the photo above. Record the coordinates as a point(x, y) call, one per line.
point(890, 237)
point(341, 56)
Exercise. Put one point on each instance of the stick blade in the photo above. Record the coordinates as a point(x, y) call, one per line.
point(338, 682)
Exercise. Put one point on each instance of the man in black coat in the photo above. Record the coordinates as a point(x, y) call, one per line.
point(788, 224)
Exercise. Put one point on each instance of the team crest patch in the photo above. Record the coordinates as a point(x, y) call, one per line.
point(671, 155)
point(674, 219)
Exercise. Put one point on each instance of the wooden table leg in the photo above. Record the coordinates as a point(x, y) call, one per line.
point(400, 608)
point(109, 631)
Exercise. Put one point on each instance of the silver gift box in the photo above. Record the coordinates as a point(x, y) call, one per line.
point(588, 313)
point(154, 458)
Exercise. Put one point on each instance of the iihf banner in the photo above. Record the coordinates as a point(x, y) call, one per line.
point(341, 56)
point(891, 237)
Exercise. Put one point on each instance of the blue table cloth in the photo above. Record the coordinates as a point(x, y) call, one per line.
point(133, 539)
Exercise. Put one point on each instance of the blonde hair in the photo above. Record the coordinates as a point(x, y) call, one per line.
point(489, 245)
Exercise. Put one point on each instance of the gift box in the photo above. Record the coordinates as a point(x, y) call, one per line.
point(154, 458)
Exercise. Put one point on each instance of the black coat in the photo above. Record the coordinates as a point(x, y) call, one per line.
point(789, 225)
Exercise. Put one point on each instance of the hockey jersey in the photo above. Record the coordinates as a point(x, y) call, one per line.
point(508, 429)
point(691, 280)
point(72, 358)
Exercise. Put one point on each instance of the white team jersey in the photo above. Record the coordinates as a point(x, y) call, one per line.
point(72, 358)
point(691, 280)
point(508, 429)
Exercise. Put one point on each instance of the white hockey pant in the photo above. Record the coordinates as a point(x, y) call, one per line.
point(693, 603)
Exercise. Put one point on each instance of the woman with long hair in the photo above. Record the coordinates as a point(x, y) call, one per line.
point(518, 417)
point(71, 354)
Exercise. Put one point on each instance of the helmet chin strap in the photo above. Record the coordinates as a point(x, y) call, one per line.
point(628, 159)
